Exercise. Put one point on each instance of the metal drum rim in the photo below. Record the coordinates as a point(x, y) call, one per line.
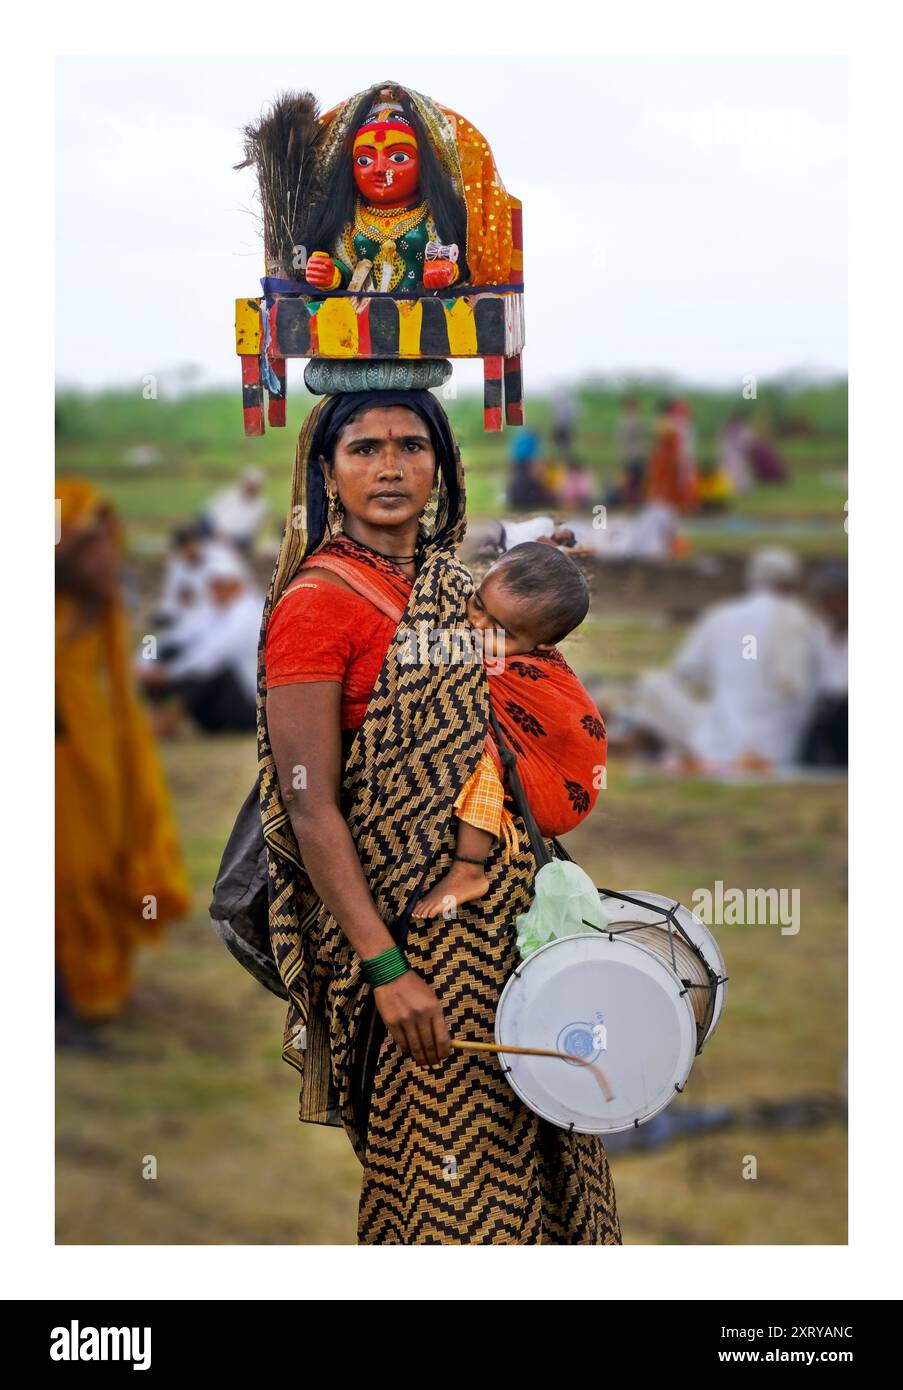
point(717, 966)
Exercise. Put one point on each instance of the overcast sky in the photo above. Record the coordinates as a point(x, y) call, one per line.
point(680, 213)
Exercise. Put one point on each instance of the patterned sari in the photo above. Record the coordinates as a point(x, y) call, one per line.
point(450, 1154)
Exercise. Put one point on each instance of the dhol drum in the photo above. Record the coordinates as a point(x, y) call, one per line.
point(634, 1002)
point(677, 936)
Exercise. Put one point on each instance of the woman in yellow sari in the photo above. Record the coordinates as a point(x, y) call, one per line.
point(119, 870)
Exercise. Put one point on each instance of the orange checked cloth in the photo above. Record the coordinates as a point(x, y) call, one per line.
point(481, 803)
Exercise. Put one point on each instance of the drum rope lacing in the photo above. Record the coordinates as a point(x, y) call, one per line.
point(668, 920)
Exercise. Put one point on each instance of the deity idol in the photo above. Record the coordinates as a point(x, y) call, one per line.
point(410, 198)
point(392, 241)
point(393, 195)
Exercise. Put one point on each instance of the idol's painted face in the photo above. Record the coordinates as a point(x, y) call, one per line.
point(387, 173)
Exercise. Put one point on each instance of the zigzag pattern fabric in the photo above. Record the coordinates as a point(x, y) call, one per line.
point(453, 1156)
point(450, 1154)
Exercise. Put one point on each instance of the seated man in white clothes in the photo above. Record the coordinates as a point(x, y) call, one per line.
point(214, 677)
point(238, 513)
point(650, 534)
point(488, 542)
point(536, 528)
point(742, 688)
point(825, 738)
point(184, 599)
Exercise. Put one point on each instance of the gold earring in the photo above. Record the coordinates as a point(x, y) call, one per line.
point(334, 510)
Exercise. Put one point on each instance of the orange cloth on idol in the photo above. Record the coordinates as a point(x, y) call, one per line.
point(490, 248)
point(117, 853)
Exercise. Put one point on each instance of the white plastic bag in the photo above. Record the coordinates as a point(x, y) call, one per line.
point(566, 902)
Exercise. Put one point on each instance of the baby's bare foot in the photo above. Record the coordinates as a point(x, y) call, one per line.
point(462, 884)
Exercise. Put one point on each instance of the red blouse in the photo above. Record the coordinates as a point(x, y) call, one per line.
point(321, 632)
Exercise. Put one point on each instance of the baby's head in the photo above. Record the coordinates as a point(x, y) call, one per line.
point(534, 595)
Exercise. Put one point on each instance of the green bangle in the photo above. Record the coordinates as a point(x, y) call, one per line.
point(388, 965)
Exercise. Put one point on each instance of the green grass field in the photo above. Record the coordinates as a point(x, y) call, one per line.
point(198, 445)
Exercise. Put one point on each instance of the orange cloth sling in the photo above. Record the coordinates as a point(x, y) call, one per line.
point(557, 733)
point(544, 712)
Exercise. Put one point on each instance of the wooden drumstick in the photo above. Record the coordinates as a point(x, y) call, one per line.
point(540, 1052)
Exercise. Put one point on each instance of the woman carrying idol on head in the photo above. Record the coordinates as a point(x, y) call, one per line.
point(370, 761)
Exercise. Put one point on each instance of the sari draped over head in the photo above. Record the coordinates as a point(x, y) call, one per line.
point(119, 870)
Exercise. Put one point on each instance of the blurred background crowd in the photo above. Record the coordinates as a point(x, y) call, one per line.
point(663, 498)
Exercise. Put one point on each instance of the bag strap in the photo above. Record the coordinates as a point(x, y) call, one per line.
point(509, 762)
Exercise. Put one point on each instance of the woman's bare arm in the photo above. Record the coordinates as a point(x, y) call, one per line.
point(305, 734)
point(303, 723)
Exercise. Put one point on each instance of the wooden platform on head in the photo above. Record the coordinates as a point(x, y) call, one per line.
point(485, 324)
point(479, 321)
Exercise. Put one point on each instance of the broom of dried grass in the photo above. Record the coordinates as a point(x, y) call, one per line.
point(282, 148)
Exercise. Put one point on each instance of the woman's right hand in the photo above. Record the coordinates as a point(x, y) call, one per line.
point(413, 1015)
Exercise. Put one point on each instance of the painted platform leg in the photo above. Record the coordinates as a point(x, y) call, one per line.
point(276, 404)
point(514, 391)
point(252, 394)
point(492, 394)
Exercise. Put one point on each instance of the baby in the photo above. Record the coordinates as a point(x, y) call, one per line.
point(529, 600)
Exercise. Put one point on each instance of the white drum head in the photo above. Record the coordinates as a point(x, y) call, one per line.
point(611, 1002)
point(654, 913)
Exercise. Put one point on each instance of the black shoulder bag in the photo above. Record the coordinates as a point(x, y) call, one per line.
point(240, 907)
